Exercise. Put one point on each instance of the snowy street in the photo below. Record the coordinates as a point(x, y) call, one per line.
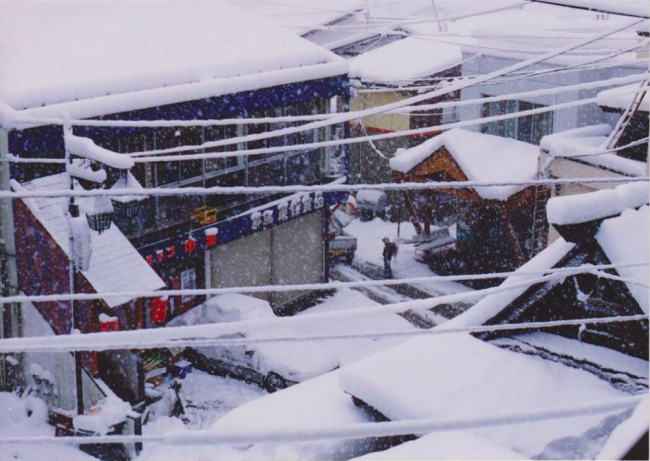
point(324, 230)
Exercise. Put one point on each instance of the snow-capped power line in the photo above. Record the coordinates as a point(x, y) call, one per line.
point(347, 431)
point(338, 187)
point(305, 118)
point(394, 86)
point(587, 65)
point(178, 336)
point(159, 155)
point(597, 152)
point(526, 94)
point(309, 286)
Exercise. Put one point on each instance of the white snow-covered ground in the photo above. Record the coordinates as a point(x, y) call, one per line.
point(370, 247)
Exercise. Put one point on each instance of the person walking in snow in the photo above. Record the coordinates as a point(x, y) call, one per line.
point(390, 252)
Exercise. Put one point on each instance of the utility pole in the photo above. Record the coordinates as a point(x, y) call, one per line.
point(442, 25)
point(9, 313)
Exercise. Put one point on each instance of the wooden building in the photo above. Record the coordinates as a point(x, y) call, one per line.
point(492, 225)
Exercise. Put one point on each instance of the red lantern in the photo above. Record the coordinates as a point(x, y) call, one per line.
point(108, 323)
point(159, 310)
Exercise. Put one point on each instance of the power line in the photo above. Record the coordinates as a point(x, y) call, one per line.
point(339, 187)
point(159, 155)
point(206, 334)
point(276, 435)
point(303, 287)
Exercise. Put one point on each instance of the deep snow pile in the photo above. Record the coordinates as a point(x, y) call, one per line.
point(458, 376)
point(28, 417)
point(481, 158)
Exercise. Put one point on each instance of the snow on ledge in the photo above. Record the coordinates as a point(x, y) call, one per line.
point(586, 140)
point(624, 240)
point(575, 209)
point(621, 98)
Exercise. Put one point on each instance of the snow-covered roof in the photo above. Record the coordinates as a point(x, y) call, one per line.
point(301, 16)
point(493, 304)
point(404, 60)
point(537, 28)
point(624, 240)
point(621, 98)
point(151, 53)
point(575, 209)
point(445, 446)
point(312, 358)
point(590, 353)
point(311, 404)
point(115, 265)
point(458, 377)
point(482, 157)
point(589, 139)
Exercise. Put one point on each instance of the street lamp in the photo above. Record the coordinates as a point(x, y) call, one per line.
point(99, 213)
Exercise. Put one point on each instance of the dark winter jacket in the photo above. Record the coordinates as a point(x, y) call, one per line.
point(390, 251)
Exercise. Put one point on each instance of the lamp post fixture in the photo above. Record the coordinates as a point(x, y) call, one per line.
point(98, 218)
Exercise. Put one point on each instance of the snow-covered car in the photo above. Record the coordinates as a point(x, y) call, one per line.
point(438, 243)
point(276, 365)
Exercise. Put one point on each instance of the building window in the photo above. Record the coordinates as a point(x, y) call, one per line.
point(529, 129)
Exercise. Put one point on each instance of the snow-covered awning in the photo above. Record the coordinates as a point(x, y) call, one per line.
point(85, 54)
point(575, 209)
point(586, 140)
point(482, 157)
point(620, 98)
point(404, 60)
point(461, 377)
point(115, 265)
